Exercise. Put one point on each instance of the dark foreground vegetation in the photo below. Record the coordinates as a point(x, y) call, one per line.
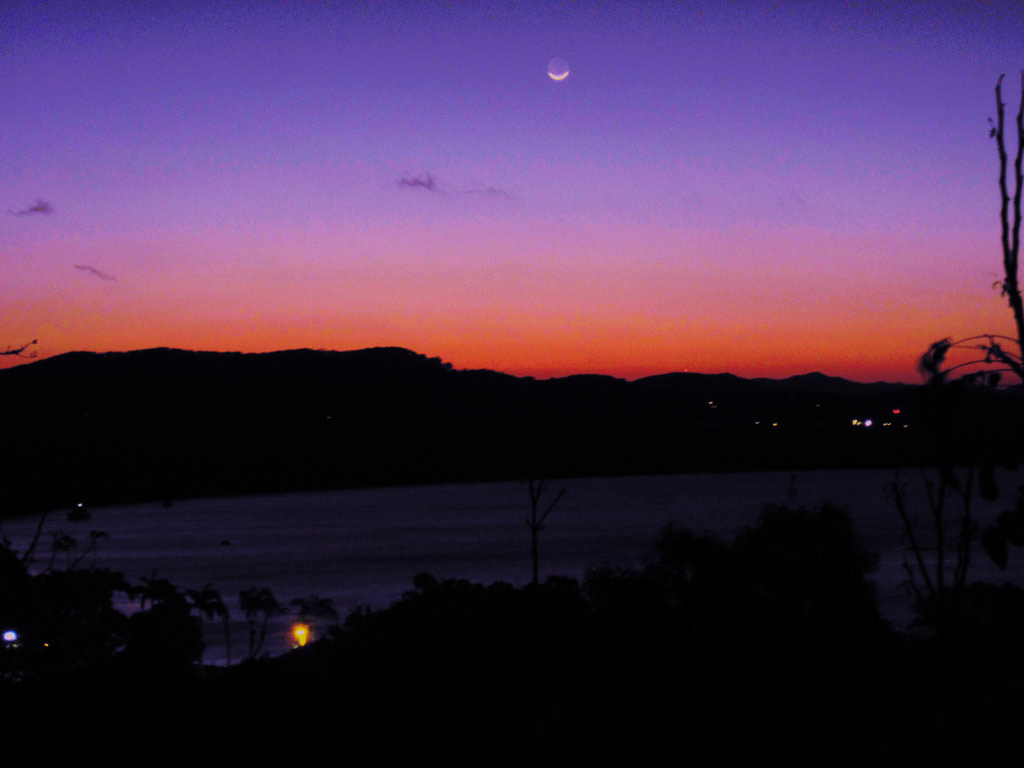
point(770, 646)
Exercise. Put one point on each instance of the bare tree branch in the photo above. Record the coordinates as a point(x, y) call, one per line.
point(17, 351)
point(1011, 230)
point(1000, 354)
point(898, 496)
point(535, 522)
point(1019, 178)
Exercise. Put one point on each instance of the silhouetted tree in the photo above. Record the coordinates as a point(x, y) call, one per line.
point(314, 607)
point(207, 603)
point(94, 538)
point(960, 426)
point(308, 609)
point(64, 617)
point(166, 637)
point(259, 601)
point(61, 542)
point(535, 522)
point(155, 591)
point(75, 622)
point(810, 570)
point(1010, 236)
point(996, 356)
point(30, 551)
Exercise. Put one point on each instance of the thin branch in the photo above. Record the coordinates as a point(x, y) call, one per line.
point(993, 352)
point(17, 351)
point(908, 528)
point(938, 517)
point(536, 489)
point(963, 555)
point(989, 336)
point(551, 506)
point(535, 523)
point(1004, 194)
point(969, 363)
point(911, 581)
point(94, 537)
point(1019, 178)
point(1011, 234)
point(26, 559)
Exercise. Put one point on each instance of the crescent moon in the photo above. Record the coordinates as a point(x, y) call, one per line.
point(558, 69)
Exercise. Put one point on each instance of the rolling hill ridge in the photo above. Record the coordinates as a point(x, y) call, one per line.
point(166, 424)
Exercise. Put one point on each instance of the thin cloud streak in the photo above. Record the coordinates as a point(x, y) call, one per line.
point(425, 181)
point(95, 272)
point(429, 182)
point(492, 192)
point(41, 207)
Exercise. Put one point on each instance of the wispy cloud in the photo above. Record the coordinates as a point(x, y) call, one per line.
point(790, 201)
point(493, 192)
point(40, 207)
point(95, 272)
point(430, 183)
point(425, 181)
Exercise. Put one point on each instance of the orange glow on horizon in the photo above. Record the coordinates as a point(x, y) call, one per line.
point(692, 302)
point(626, 353)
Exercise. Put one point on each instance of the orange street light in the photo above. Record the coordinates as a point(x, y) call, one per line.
point(301, 633)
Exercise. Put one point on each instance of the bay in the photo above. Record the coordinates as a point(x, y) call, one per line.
point(362, 547)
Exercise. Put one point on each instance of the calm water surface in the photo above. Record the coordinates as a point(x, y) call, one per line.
point(363, 547)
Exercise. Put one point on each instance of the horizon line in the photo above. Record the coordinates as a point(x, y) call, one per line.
point(18, 362)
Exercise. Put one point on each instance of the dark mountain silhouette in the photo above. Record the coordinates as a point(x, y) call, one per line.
point(166, 423)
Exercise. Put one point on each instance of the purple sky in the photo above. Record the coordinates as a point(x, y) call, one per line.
point(765, 188)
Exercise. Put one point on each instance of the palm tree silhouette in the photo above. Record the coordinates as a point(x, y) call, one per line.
point(307, 609)
point(207, 603)
point(314, 607)
point(256, 601)
point(155, 591)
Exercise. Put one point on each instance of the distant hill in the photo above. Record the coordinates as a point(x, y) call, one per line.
point(167, 423)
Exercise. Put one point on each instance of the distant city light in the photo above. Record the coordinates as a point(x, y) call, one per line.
point(10, 636)
point(868, 422)
point(896, 411)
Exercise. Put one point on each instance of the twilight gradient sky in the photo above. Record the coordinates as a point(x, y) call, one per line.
point(761, 188)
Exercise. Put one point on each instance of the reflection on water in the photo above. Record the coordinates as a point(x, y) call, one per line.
point(363, 547)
